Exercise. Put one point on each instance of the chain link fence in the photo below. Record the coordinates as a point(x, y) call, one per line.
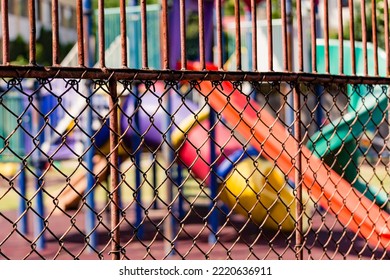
point(122, 161)
point(193, 169)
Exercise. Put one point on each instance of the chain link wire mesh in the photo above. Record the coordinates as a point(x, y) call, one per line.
point(196, 177)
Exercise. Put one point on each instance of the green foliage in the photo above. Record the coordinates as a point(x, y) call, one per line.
point(19, 49)
point(380, 18)
point(115, 3)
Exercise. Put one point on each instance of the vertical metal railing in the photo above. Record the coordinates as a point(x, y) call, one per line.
point(55, 34)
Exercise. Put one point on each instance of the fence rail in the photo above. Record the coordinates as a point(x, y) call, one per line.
point(192, 161)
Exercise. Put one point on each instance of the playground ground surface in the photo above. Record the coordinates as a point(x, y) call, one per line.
point(321, 243)
point(327, 239)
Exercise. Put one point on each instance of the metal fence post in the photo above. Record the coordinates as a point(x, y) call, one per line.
point(114, 171)
point(298, 174)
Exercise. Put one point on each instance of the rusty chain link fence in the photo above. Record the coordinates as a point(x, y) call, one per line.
point(198, 163)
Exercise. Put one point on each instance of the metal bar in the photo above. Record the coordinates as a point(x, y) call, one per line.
point(101, 36)
point(270, 37)
point(183, 45)
point(284, 35)
point(254, 36)
point(55, 34)
point(341, 36)
point(313, 33)
point(202, 56)
point(374, 37)
point(114, 171)
point(218, 8)
point(237, 21)
point(122, 8)
point(326, 36)
point(364, 36)
point(352, 37)
point(80, 32)
point(165, 37)
point(144, 35)
point(300, 35)
point(299, 240)
point(386, 15)
point(5, 31)
point(33, 32)
point(178, 75)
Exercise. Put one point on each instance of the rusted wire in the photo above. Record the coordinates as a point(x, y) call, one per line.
point(202, 46)
point(101, 37)
point(299, 35)
point(237, 21)
point(285, 40)
point(218, 8)
point(114, 170)
point(33, 32)
point(254, 35)
point(326, 36)
point(364, 35)
point(144, 37)
point(55, 34)
point(374, 37)
point(165, 36)
point(123, 32)
point(352, 36)
point(5, 31)
point(80, 33)
point(313, 34)
point(183, 45)
point(299, 239)
point(386, 27)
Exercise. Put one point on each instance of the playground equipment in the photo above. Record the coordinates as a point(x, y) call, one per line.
point(338, 141)
point(190, 138)
point(249, 185)
point(326, 186)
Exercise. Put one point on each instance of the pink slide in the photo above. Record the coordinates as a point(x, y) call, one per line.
point(325, 186)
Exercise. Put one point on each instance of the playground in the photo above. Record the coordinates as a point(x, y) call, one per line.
point(143, 153)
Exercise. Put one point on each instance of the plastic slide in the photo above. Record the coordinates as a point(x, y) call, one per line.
point(252, 187)
point(255, 187)
point(324, 185)
point(71, 196)
point(341, 136)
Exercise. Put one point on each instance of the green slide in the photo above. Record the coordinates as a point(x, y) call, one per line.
point(337, 142)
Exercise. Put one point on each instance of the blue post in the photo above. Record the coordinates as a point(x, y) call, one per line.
point(90, 220)
point(179, 182)
point(155, 181)
point(22, 200)
point(214, 219)
point(170, 157)
point(23, 183)
point(39, 224)
point(137, 158)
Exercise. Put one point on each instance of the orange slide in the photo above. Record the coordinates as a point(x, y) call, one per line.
point(325, 186)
